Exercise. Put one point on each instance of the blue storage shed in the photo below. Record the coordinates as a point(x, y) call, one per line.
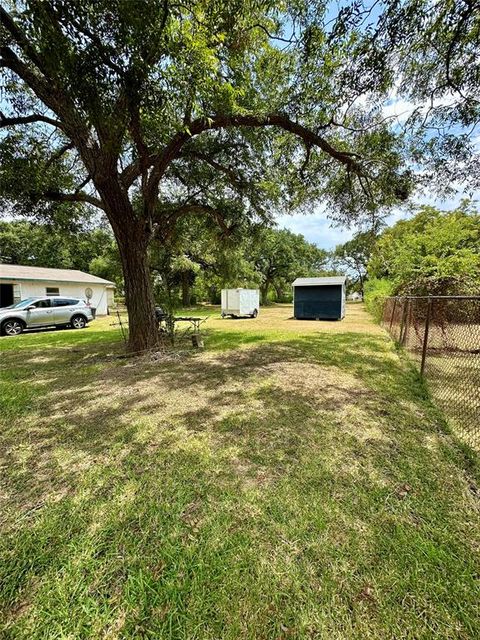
point(319, 298)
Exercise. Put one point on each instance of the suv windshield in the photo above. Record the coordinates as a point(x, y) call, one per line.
point(21, 304)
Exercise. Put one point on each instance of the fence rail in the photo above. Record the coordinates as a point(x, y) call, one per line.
point(442, 335)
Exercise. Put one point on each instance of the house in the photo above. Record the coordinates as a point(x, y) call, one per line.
point(355, 297)
point(319, 298)
point(18, 282)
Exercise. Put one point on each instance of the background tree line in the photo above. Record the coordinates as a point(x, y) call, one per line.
point(432, 252)
point(192, 266)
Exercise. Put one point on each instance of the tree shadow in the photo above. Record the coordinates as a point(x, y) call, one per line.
point(141, 472)
point(86, 411)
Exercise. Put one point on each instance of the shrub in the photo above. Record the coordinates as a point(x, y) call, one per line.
point(375, 292)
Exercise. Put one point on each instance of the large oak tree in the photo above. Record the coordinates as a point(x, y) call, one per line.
point(153, 110)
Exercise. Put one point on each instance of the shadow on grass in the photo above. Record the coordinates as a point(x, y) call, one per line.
point(46, 338)
point(89, 412)
point(158, 493)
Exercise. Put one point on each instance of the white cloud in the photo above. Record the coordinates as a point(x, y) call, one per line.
point(400, 109)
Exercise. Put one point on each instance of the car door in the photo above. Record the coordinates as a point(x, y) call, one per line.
point(40, 313)
point(63, 308)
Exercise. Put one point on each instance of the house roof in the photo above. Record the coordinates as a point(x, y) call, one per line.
point(20, 272)
point(315, 282)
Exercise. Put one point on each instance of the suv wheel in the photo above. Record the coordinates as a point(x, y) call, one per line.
point(12, 327)
point(78, 322)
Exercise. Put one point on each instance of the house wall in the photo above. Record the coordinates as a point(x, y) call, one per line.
point(324, 302)
point(30, 288)
point(110, 296)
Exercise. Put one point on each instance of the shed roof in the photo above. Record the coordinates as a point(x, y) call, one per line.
point(20, 272)
point(315, 282)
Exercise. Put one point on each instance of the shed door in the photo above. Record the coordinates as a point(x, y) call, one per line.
point(324, 302)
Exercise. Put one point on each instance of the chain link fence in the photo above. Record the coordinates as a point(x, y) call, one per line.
point(442, 334)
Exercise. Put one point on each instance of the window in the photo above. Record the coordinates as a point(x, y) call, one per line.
point(52, 291)
point(41, 304)
point(64, 302)
point(22, 304)
point(17, 293)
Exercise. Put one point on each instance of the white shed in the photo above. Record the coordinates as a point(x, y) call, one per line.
point(18, 282)
point(355, 296)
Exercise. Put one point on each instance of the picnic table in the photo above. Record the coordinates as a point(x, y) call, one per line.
point(194, 321)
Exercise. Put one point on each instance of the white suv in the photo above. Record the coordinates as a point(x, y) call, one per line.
point(52, 311)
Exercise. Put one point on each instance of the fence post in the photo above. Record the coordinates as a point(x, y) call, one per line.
point(393, 315)
point(402, 324)
point(425, 335)
point(408, 321)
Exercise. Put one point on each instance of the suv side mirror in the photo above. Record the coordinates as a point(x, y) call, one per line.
point(30, 308)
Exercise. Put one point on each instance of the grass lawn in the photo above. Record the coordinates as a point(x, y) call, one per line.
point(293, 481)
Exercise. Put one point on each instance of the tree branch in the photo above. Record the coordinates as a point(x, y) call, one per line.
point(80, 196)
point(290, 40)
point(34, 117)
point(234, 178)
point(22, 41)
point(56, 101)
point(172, 150)
point(130, 174)
point(202, 209)
point(83, 184)
point(59, 153)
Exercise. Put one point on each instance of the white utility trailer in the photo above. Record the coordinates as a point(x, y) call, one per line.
point(240, 302)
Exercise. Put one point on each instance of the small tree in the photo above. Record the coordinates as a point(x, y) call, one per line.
point(353, 257)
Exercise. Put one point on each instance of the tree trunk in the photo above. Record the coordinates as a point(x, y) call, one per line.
point(142, 325)
point(185, 289)
point(360, 277)
point(264, 292)
point(279, 292)
point(213, 294)
point(133, 236)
